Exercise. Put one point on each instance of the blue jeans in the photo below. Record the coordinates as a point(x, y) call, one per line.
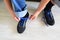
point(20, 7)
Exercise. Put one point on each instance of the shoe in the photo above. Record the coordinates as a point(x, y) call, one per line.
point(22, 24)
point(49, 17)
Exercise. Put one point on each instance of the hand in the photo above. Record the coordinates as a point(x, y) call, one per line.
point(17, 19)
point(32, 17)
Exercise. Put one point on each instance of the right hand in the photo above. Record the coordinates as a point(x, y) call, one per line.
point(17, 19)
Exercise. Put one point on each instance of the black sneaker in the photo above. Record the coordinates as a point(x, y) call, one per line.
point(49, 17)
point(22, 23)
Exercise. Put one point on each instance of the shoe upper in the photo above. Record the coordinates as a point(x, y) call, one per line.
point(22, 23)
point(49, 17)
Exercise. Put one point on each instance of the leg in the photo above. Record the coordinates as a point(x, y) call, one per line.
point(18, 5)
point(21, 12)
point(48, 14)
point(22, 23)
point(48, 6)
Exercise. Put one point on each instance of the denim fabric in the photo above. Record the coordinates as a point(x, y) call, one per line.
point(20, 7)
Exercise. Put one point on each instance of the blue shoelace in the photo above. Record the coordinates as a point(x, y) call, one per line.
point(23, 21)
point(49, 14)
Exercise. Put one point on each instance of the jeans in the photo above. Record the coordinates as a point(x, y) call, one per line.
point(20, 7)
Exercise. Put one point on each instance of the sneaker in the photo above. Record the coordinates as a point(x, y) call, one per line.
point(22, 23)
point(49, 17)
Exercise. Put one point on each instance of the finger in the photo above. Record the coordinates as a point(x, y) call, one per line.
point(16, 19)
point(32, 18)
point(19, 18)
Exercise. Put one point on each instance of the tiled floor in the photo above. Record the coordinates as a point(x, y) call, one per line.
point(35, 30)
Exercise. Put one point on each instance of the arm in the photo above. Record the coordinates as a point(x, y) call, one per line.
point(10, 9)
point(41, 6)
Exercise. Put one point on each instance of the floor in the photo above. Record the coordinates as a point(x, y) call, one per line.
point(35, 30)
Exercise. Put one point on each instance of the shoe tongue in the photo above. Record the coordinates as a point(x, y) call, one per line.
point(24, 18)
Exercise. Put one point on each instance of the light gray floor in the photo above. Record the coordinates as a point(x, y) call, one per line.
point(35, 30)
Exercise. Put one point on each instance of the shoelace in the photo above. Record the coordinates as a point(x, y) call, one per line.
point(49, 14)
point(22, 21)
